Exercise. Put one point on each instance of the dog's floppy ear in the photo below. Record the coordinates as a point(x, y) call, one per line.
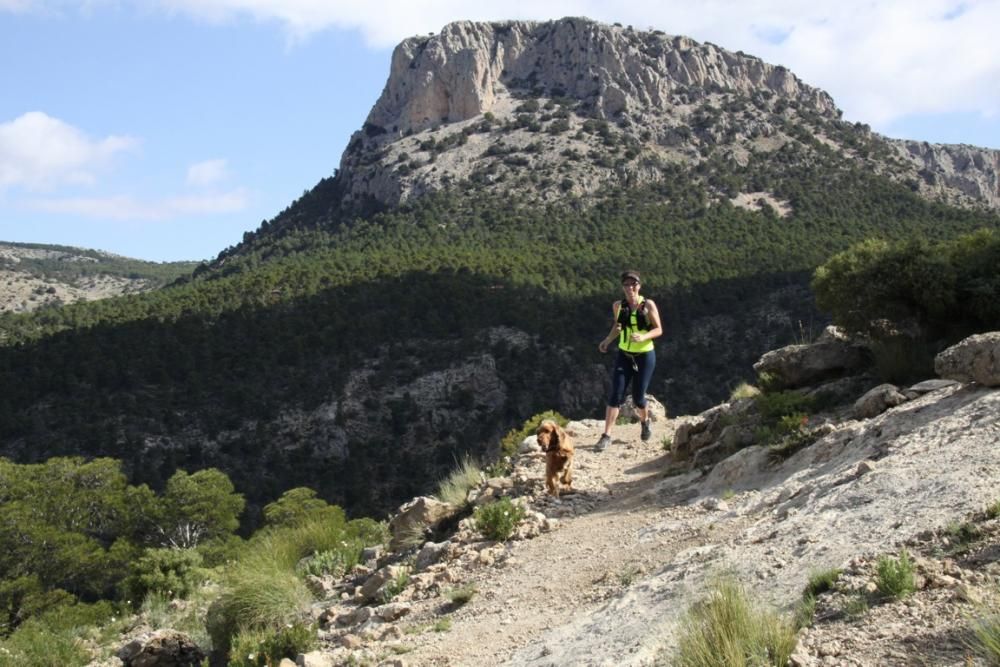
point(558, 435)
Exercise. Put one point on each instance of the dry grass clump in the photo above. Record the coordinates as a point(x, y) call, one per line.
point(727, 630)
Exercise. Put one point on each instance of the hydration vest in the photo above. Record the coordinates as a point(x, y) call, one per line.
point(631, 322)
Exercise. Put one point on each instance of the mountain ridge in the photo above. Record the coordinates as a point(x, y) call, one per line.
point(448, 96)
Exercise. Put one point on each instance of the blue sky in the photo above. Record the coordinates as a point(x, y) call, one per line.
point(164, 129)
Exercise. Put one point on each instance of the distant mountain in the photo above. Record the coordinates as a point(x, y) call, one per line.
point(34, 275)
point(573, 106)
point(455, 274)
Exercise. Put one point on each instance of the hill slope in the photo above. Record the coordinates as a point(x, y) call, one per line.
point(455, 275)
point(34, 276)
point(618, 563)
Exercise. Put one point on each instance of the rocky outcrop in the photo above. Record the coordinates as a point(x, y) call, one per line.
point(416, 518)
point(163, 648)
point(975, 359)
point(878, 400)
point(457, 103)
point(832, 355)
point(957, 172)
point(467, 68)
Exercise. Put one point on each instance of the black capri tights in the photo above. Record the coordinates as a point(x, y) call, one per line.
point(634, 368)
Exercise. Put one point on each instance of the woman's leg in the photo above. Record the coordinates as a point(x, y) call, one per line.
point(645, 362)
point(621, 373)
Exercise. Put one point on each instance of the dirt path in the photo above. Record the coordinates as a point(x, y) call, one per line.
point(598, 549)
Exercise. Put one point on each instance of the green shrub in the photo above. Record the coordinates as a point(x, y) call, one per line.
point(460, 595)
point(34, 644)
point(993, 510)
point(744, 390)
point(394, 587)
point(514, 437)
point(772, 406)
point(502, 467)
point(266, 647)
point(498, 520)
point(334, 563)
point(821, 582)
point(454, 488)
point(726, 630)
point(165, 571)
point(961, 535)
point(894, 576)
point(949, 289)
point(260, 595)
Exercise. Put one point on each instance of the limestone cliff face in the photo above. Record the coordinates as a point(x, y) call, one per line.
point(469, 67)
point(960, 172)
point(541, 108)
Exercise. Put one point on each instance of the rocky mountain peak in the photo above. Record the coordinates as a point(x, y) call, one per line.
point(470, 67)
point(569, 107)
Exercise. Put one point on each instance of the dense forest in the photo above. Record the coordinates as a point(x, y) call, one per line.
point(201, 373)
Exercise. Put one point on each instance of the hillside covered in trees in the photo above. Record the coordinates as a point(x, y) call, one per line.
point(360, 346)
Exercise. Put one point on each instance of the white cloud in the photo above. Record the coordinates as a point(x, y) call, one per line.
point(131, 209)
point(880, 60)
point(39, 152)
point(209, 172)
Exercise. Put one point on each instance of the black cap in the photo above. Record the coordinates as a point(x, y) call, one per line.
point(634, 275)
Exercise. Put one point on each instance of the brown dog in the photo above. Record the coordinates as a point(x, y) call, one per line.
point(558, 456)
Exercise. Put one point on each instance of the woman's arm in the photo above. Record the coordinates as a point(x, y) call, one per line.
point(615, 328)
point(653, 317)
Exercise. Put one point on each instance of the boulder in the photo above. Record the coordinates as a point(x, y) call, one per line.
point(393, 611)
point(842, 391)
point(529, 444)
point(656, 410)
point(975, 359)
point(927, 386)
point(832, 355)
point(878, 400)
point(371, 588)
point(722, 430)
point(415, 518)
point(314, 659)
point(163, 648)
point(429, 554)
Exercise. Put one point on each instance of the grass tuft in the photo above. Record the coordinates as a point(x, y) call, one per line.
point(461, 595)
point(986, 631)
point(454, 489)
point(821, 582)
point(726, 630)
point(743, 390)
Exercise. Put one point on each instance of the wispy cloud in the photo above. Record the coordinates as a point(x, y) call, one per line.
point(38, 152)
point(209, 172)
point(129, 208)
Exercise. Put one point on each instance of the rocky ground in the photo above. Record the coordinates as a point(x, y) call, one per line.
point(601, 576)
point(22, 292)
